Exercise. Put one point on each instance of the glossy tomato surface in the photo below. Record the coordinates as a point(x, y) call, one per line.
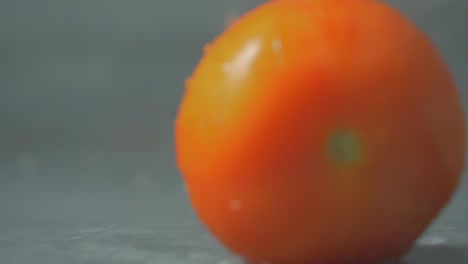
point(320, 130)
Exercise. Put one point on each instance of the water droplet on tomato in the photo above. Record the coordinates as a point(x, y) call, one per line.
point(235, 205)
point(226, 67)
point(201, 123)
point(277, 45)
point(186, 187)
point(207, 48)
point(188, 82)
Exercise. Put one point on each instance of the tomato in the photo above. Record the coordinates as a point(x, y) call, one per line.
point(320, 130)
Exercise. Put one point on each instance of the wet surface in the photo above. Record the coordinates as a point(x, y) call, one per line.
point(129, 206)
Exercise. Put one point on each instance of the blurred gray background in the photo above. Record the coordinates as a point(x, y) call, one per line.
point(88, 94)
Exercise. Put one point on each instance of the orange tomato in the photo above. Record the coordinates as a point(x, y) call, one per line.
point(320, 130)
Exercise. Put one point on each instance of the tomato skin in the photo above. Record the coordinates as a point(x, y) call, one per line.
point(256, 133)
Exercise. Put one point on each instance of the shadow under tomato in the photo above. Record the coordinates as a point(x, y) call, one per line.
point(437, 254)
point(421, 254)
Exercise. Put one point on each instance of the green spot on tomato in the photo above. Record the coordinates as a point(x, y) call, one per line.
point(344, 148)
